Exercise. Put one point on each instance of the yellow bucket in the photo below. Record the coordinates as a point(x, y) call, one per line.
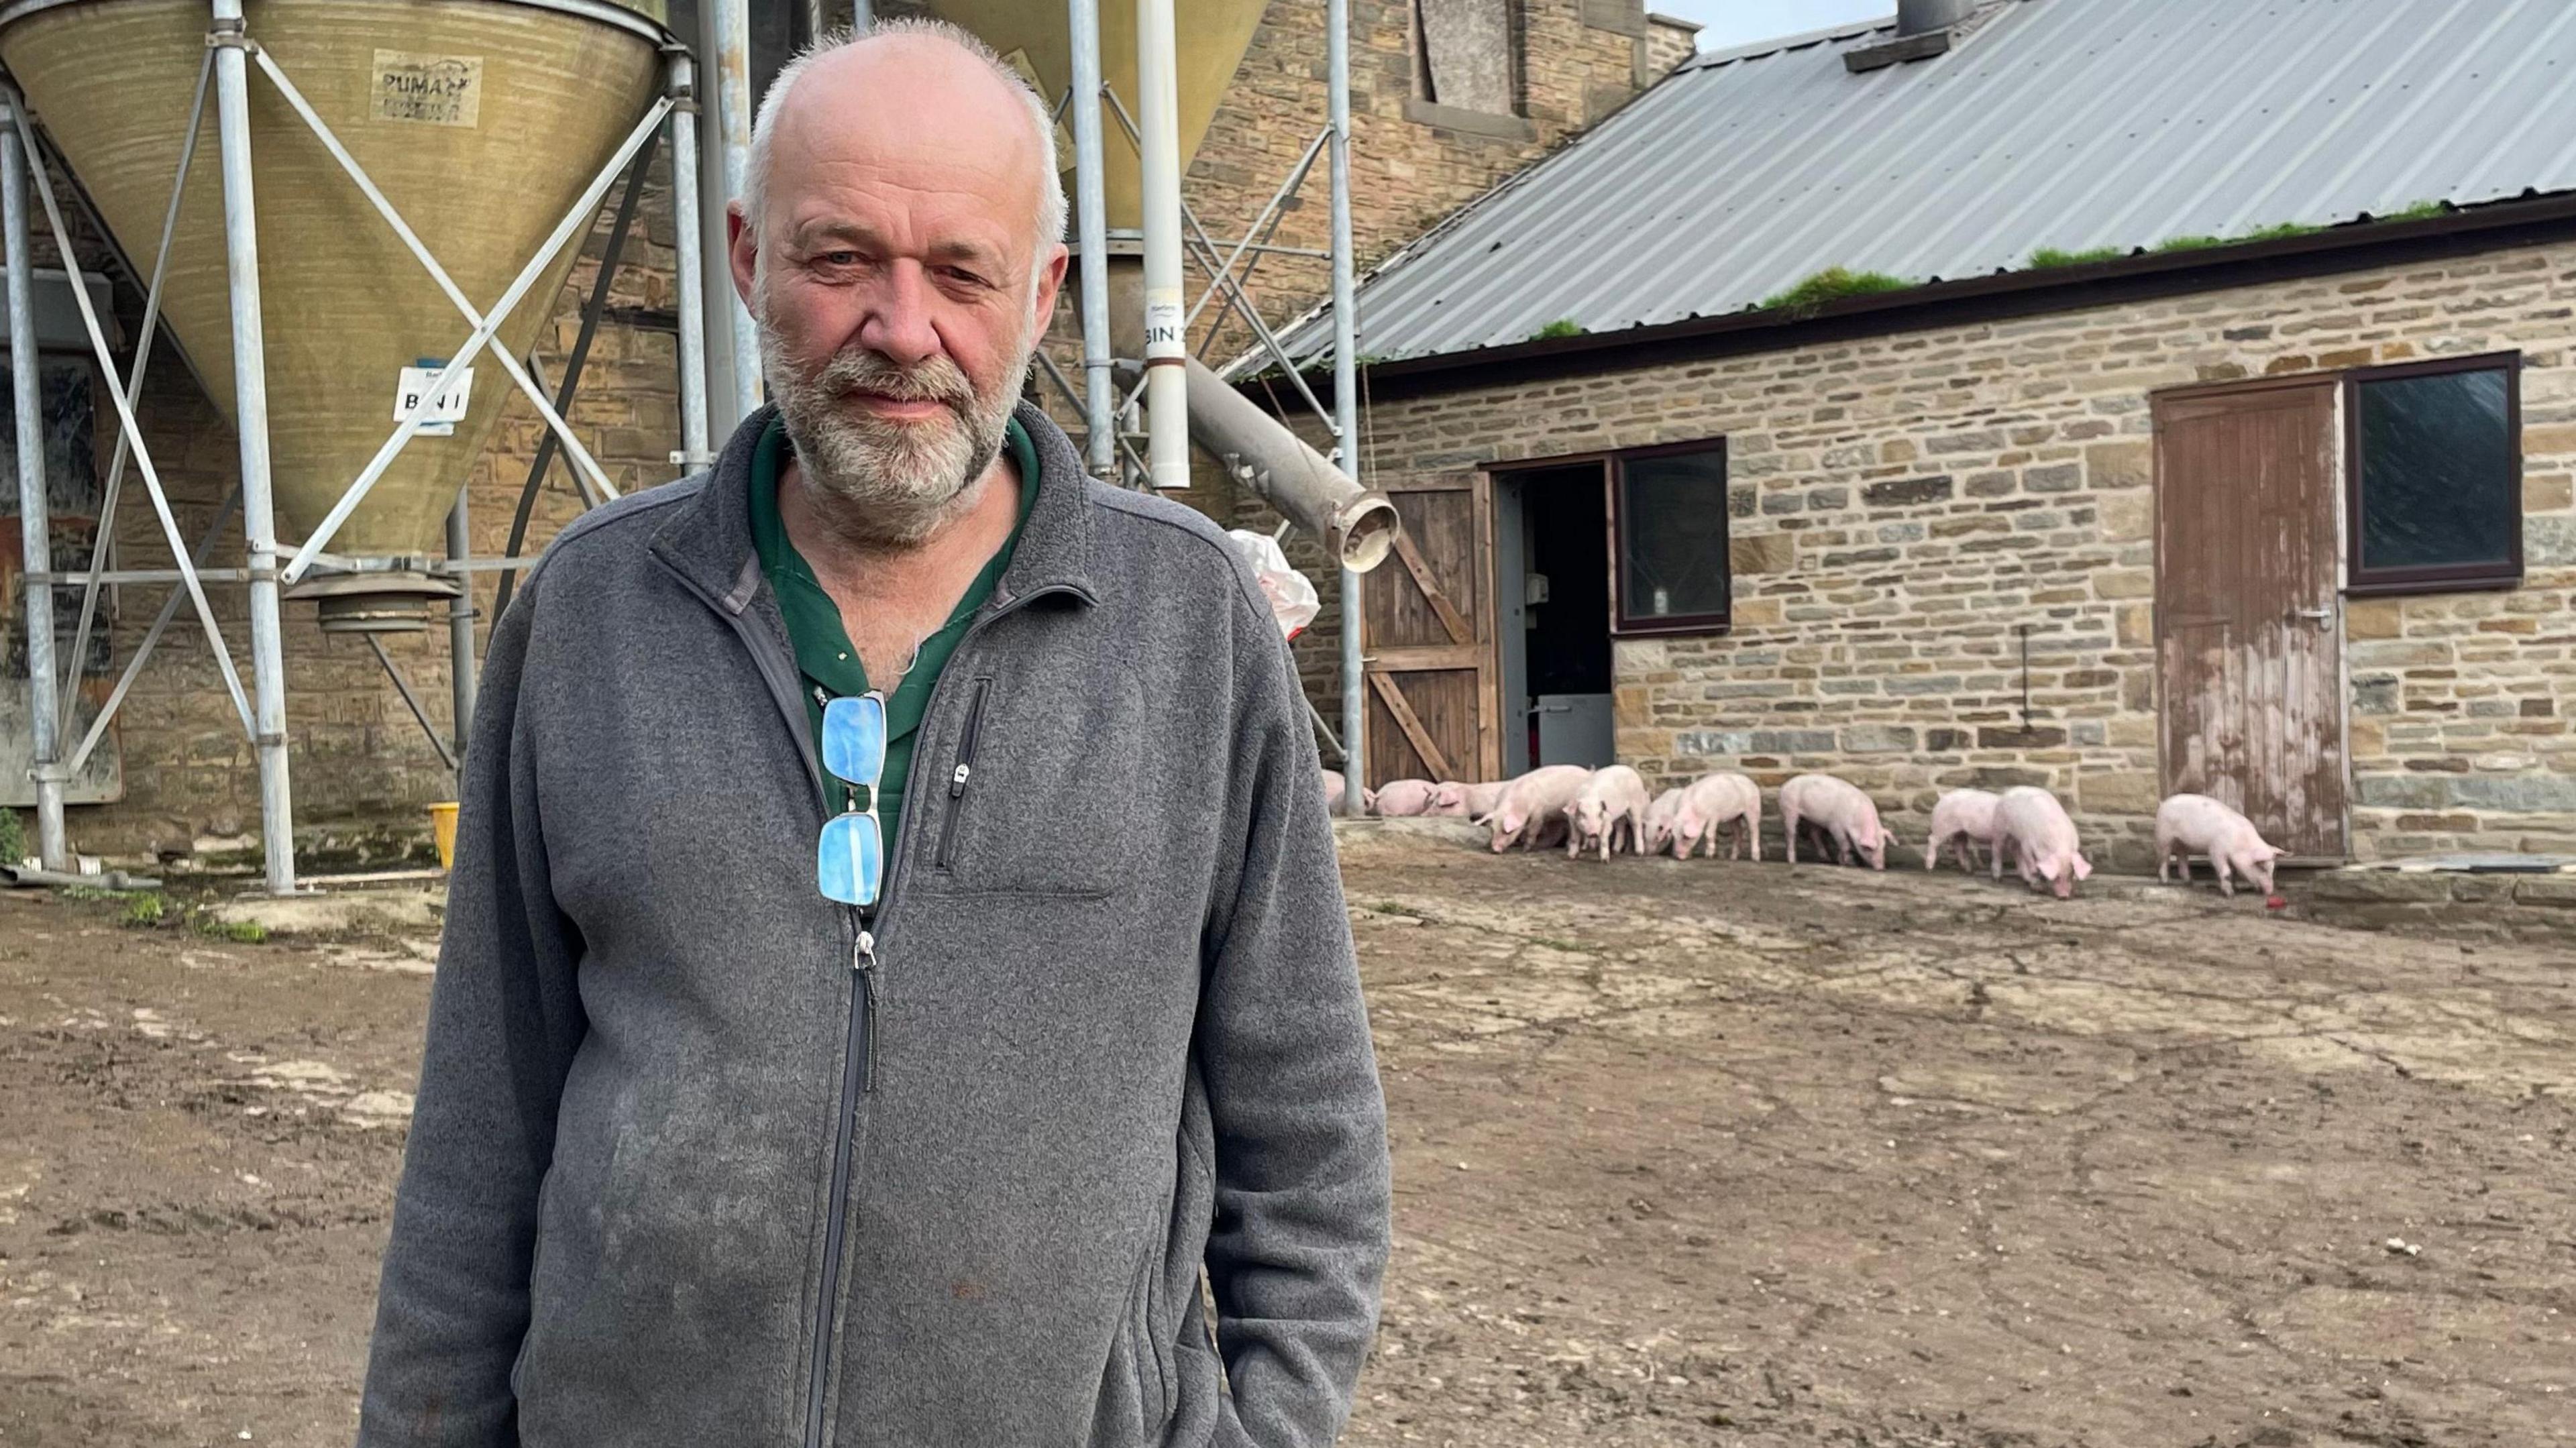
point(442, 828)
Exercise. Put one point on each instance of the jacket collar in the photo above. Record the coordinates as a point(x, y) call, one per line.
point(709, 542)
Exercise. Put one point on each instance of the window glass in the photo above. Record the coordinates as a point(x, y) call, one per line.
point(2440, 484)
point(1672, 541)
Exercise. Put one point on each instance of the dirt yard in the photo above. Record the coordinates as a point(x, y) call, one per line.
point(1686, 1154)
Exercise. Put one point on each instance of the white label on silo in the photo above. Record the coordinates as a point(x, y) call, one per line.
point(443, 414)
point(435, 90)
point(1163, 321)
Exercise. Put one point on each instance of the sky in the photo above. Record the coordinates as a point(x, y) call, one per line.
point(1731, 23)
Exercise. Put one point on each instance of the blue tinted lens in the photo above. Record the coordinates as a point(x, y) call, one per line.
point(849, 861)
point(854, 738)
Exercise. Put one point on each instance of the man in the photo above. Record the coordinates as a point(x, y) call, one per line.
point(727, 1135)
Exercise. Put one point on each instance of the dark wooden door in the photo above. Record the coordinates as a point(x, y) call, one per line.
point(2248, 632)
point(1426, 645)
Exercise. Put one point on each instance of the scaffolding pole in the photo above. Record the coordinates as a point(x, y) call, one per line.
point(691, 264)
point(250, 413)
point(733, 144)
point(35, 522)
point(1346, 407)
point(1091, 201)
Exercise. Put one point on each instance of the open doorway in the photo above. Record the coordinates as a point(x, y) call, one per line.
point(1552, 607)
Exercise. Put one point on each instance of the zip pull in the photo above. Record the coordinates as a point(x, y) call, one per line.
point(957, 780)
point(863, 959)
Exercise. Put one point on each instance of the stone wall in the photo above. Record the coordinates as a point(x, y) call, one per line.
point(1903, 506)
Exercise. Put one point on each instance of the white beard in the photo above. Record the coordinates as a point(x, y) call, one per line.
point(900, 480)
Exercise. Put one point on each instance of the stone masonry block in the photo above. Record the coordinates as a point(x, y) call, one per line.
point(2121, 464)
point(1762, 553)
point(1909, 492)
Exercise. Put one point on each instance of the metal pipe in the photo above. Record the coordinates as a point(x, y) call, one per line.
point(733, 143)
point(1357, 528)
point(460, 625)
point(411, 701)
point(1158, 103)
point(1915, 17)
point(862, 14)
point(53, 844)
point(691, 264)
point(1346, 412)
point(250, 414)
point(1091, 200)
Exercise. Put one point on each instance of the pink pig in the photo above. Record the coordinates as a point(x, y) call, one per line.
point(2195, 824)
point(1712, 802)
point(1966, 818)
point(1660, 817)
point(1837, 810)
point(1533, 805)
point(2032, 827)
point(1334, 788)
point(1398, 798)
point(1470, 800)
point(1613, 798)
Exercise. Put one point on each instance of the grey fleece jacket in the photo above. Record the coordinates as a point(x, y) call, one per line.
point(696, 1162)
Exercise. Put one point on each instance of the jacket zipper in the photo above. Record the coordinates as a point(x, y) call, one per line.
point(858, 1050)
point(957, 777)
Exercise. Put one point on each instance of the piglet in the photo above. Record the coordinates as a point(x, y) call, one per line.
point(1965, 818)
point(1400, 798)
point(1837, 810)
point(1712, 802)
point(1469, 800)
point(1659, 822)
point(2032, 827)
point(2195, 824)
point(1614, 798)
point(1334, 788)
point(1533, 805)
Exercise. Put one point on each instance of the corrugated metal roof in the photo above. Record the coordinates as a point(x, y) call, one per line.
point(2068, 124)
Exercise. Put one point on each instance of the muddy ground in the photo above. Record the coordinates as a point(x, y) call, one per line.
point(1686, 1154)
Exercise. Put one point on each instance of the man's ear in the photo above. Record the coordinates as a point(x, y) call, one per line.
point(742, 252)
point(1050, 285)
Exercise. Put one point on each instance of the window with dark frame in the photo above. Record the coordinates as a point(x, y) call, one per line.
point(1668, 511)
point(2434, 475)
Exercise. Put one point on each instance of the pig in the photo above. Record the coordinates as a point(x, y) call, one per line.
point(1965, 818)
point(1334, 788)
point(1836, 810)
point(1613, 798)
point(2032, 827)
point(1659, 823)
point(1469, 800)
point(1399, 798)
point(1533, 805)
point(1713, 801)
point(2195, 824)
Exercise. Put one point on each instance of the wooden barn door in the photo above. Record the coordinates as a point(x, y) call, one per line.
point(1426, 642)
point(2247, 629)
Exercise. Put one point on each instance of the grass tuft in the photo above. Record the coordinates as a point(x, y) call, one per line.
point(143, 911)
point(1561, 327)
point(1832, 285)
point(2049, 256)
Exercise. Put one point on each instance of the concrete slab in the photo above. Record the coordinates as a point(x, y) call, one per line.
point(408, 909)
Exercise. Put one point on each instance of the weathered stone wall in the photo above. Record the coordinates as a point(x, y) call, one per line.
point(1904, 506)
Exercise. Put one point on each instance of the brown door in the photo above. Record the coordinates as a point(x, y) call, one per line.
point(1426, 644)
point(2247, 629)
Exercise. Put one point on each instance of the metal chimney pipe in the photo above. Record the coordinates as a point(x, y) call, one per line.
point(1356, 526)
point(1921, 17)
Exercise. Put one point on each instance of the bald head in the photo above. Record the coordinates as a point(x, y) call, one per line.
point(915, 95)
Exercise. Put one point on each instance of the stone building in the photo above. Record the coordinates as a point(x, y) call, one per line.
point(2121, 399)
point(176, 766)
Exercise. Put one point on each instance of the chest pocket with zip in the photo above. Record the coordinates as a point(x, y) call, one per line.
point(1037, 787)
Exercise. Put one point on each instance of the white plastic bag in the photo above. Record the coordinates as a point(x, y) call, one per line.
point(1293, 600)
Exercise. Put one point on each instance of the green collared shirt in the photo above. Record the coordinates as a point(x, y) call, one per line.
point(824, 655)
